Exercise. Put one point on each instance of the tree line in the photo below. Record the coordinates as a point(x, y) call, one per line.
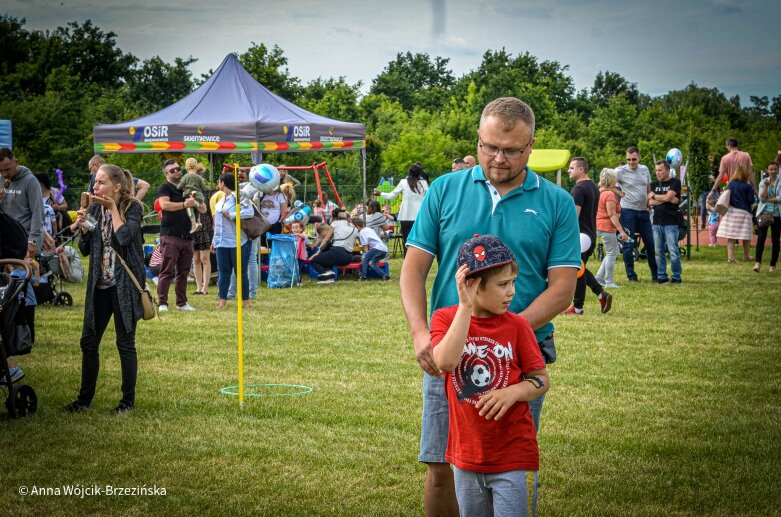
point(56, 85)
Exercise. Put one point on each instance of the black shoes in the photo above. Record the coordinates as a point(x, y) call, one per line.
point(75, 407)
point(121, 408)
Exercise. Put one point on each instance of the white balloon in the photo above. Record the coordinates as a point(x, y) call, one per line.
point(585, 242)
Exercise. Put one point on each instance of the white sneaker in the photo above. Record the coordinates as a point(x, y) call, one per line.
point(327, 281)
point(612, 285)
point(186, 307)
point(162, 308)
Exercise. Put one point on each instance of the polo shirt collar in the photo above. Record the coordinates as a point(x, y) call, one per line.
point(532, 179)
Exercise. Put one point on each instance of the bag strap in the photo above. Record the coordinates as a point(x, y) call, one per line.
point(129, 272)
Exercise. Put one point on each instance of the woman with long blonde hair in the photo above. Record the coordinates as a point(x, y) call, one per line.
point(111, 226)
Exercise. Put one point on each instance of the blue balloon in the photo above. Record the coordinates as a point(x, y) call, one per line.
point(674, 157)
point(264, 177)
point(299, 214)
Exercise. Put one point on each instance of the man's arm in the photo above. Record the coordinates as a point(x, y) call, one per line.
point(35, 202)
point(412, 282)
point(142, 187)
point(553, 300)
point(166, 205)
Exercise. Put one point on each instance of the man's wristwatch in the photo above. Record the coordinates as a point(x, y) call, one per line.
point(33, 242)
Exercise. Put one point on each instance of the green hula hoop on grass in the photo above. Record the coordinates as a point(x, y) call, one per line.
point(298, 390)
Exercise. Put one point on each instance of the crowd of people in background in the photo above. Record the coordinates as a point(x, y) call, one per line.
point(197, 224)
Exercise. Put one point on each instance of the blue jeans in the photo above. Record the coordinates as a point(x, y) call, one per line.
point(502, 493)
point(226, 264)
point(252, 272)
point(637, 221)
point(369, 261)
point(667, 236)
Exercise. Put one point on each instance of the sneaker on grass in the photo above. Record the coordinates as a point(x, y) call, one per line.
point(326, 281)
point(572, 311)
point(605, 301)
point(16, 375)
point(185, 307)
point(162, 308)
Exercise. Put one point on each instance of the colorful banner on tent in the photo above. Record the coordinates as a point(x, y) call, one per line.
point(225, 147)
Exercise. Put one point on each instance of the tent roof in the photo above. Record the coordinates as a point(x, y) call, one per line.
point(230, 112)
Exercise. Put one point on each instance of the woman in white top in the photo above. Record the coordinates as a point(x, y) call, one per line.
point(224, 240)
point(412, 188)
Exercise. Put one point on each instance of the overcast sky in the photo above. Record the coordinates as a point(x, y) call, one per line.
point(660, 45)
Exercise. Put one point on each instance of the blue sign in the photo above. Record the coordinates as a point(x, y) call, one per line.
point(6, 134)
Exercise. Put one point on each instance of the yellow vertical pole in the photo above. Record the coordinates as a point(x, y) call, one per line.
point(239, 294)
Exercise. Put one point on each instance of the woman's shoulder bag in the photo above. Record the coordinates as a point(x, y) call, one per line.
point(148, 302)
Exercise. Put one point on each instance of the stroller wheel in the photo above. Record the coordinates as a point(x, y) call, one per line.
point(63, 299)
point(22, 401)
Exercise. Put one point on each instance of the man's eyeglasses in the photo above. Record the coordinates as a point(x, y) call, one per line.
point(631, 159)
point(175, 169)
point(510, 154)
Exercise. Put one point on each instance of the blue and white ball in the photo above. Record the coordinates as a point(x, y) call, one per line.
point(264, 177)
point(674, 158)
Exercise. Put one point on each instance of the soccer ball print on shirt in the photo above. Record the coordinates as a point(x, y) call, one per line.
point(484, 367)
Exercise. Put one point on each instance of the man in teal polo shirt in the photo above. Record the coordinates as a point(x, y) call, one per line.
point(537, 221)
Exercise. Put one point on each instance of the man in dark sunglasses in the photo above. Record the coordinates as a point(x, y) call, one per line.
point(634, 178)
point(176, 241)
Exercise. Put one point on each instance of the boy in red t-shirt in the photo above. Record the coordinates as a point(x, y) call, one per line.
point(493, 368)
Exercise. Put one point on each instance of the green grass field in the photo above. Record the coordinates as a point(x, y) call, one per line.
point(668, 405)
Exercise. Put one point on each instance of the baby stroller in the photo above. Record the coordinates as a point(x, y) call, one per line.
point(15, 337)
point(51, 265)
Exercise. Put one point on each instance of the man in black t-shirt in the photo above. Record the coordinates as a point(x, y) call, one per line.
point(176, 241)
point(585, 193)
point(664, 199)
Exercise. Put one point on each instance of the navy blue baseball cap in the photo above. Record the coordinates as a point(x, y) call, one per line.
point(483, 252)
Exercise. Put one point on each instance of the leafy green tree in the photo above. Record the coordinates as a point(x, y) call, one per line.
point(332, 98)
point(269, 68)
point(612, 129)
point(610, 84)
point(415, 81)
point(157, 84)
point(500, 75)
point(421, 141)
point(385, 118)
point(91, 54)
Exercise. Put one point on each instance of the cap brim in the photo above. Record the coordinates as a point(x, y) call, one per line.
point(486, 268)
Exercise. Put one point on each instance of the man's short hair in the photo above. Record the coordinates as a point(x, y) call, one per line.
point(169, 162)
point(632, 149)
point(663, 162)
point(5, 152)
point(732, 142)
point(96, 161)
point(509, 110)
point(459, 161)
point(580, 162)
